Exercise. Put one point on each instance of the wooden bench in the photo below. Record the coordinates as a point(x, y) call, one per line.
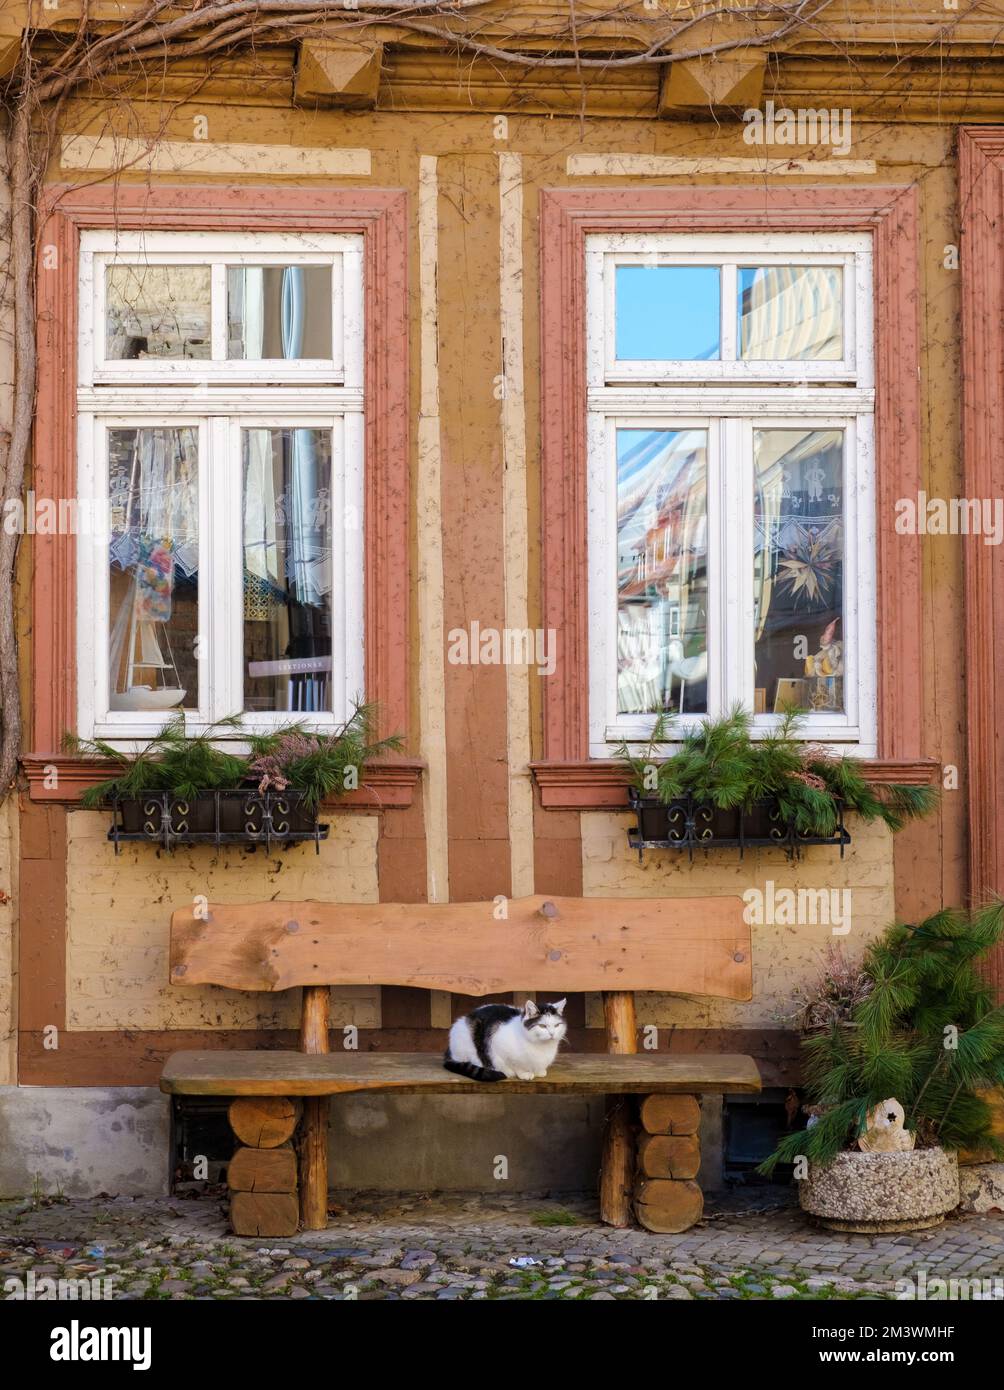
point(549, 946)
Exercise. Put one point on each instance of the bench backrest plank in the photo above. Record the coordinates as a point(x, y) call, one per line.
point(552, 946)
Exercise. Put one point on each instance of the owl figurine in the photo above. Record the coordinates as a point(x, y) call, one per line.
point(884, 1132)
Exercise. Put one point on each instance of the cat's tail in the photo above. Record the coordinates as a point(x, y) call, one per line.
point(470, 1069)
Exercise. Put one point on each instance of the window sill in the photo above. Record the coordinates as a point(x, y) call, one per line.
point(601, 784)
point(388, 783)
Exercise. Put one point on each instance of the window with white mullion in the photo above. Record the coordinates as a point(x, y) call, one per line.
point(679, 307)
point(732, 568)
point(731, 487)
point(653, 479)
point(301, 650)
point(142, 616)
point(170, 306)
point(224, 456)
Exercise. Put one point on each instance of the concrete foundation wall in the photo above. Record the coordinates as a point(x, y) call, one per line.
point(79, 1141)
point(460, 1144)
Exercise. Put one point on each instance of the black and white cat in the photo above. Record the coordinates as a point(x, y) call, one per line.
point(496, 1041)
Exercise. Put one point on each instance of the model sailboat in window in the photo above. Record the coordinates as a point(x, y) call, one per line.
point(153, 545)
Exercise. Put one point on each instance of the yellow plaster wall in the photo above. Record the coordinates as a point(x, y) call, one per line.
point(119, 909)
point(785, 958)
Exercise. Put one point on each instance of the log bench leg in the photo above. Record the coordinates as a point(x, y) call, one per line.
point(314, 1164)
point(617, 1166)
point(314, 1130)
point(617, 1169)
point(261, 1175)
point(666, 1197)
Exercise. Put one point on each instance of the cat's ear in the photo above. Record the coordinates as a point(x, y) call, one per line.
point(559, 1007)
point(530, 1009)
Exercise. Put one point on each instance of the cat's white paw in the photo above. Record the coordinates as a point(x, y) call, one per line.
point(526, 1076)
point(539, 1076)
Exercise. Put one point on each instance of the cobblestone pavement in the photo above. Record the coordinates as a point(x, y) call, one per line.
point(750, 1244)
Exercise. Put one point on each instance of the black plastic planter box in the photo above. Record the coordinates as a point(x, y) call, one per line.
point(241, 816)
point(686, 824)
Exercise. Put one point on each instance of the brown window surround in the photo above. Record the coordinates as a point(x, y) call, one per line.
point(380, 216)
point(566, 777)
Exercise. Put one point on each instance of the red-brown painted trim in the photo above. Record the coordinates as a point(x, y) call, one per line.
point(981, 193)
point(389, 782)
point(593, 784)
point(380, 216)
point(137, 1058)
point(41, 977)
point(567, 217)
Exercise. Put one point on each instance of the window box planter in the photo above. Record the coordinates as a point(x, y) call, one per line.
point(240, 816)
point(687, 824)
point(270, 795)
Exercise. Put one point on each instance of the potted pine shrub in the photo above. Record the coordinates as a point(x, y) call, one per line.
point(721, 785)
point(182, 788)
point(922, 1041)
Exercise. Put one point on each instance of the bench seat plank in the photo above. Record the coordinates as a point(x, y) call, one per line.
point(225, 1073)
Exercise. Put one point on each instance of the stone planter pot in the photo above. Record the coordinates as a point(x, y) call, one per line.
point(882, 1192)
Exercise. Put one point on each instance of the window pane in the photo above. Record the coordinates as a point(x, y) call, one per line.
point(153, 568)
point(791, 313)
point(798, 569)
point(278, 311)
point(157, 311)
point(287, 569)
point(662, 571)
point(668, 313)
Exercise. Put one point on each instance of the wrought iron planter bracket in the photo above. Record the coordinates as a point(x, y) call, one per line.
point(690, 825)
point(239, 817)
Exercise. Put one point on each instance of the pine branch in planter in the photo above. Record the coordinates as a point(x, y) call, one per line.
point(171, 761)
point(927, 1033)
point(720, 764)
point(288, 757)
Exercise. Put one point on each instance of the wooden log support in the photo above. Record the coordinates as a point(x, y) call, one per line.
point(667, 1207)
point(262, 1173)
point(264, 1122)
point(264, 1213)
point(314, 1128)
point(666, 1198)
point(669, 1155)
point(617, 1167)
point(667, 1114)
point(263, 1170)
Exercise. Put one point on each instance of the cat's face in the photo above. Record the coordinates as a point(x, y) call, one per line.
point(546, 1022)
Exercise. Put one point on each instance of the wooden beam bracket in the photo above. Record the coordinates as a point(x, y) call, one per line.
point(722, 84)
point(336, 72)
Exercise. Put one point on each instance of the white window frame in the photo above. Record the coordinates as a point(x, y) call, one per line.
point(220, 398)
point(851, 253)
point(214, 250)
point(731, 399)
